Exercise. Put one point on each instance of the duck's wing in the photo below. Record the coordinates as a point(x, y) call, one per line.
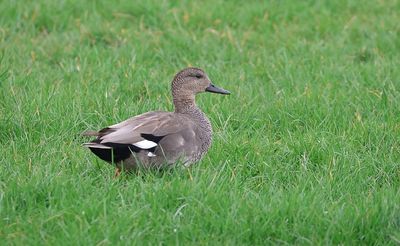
point(142, 132)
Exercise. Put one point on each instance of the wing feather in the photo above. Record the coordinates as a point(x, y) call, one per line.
point(155, 123)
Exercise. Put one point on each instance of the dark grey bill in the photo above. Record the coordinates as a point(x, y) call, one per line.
point(212, 88)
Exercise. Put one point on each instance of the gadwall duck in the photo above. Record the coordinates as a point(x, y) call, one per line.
point(158, 139)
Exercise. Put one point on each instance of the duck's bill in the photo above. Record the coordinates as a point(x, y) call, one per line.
point(212, 88)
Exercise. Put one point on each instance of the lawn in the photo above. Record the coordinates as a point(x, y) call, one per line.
point(306, 149)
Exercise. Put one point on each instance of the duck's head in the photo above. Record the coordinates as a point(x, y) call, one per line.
point(191, 81)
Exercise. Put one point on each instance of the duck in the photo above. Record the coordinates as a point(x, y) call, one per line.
point(159, 139)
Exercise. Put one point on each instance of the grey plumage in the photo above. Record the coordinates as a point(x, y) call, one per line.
point(158, 139)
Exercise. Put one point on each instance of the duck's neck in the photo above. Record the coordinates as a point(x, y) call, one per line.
point(185, 105)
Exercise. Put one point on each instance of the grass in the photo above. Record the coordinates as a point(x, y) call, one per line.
point(306, 149)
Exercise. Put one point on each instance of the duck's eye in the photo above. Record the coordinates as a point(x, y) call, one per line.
point(199, 76)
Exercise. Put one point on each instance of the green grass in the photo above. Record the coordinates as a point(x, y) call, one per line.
point(306, 150)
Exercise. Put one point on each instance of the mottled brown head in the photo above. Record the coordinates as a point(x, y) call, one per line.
point(191, 81)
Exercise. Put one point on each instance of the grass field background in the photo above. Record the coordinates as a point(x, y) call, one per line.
point(306, 149)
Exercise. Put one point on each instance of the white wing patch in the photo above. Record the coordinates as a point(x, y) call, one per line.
point(145, 144)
